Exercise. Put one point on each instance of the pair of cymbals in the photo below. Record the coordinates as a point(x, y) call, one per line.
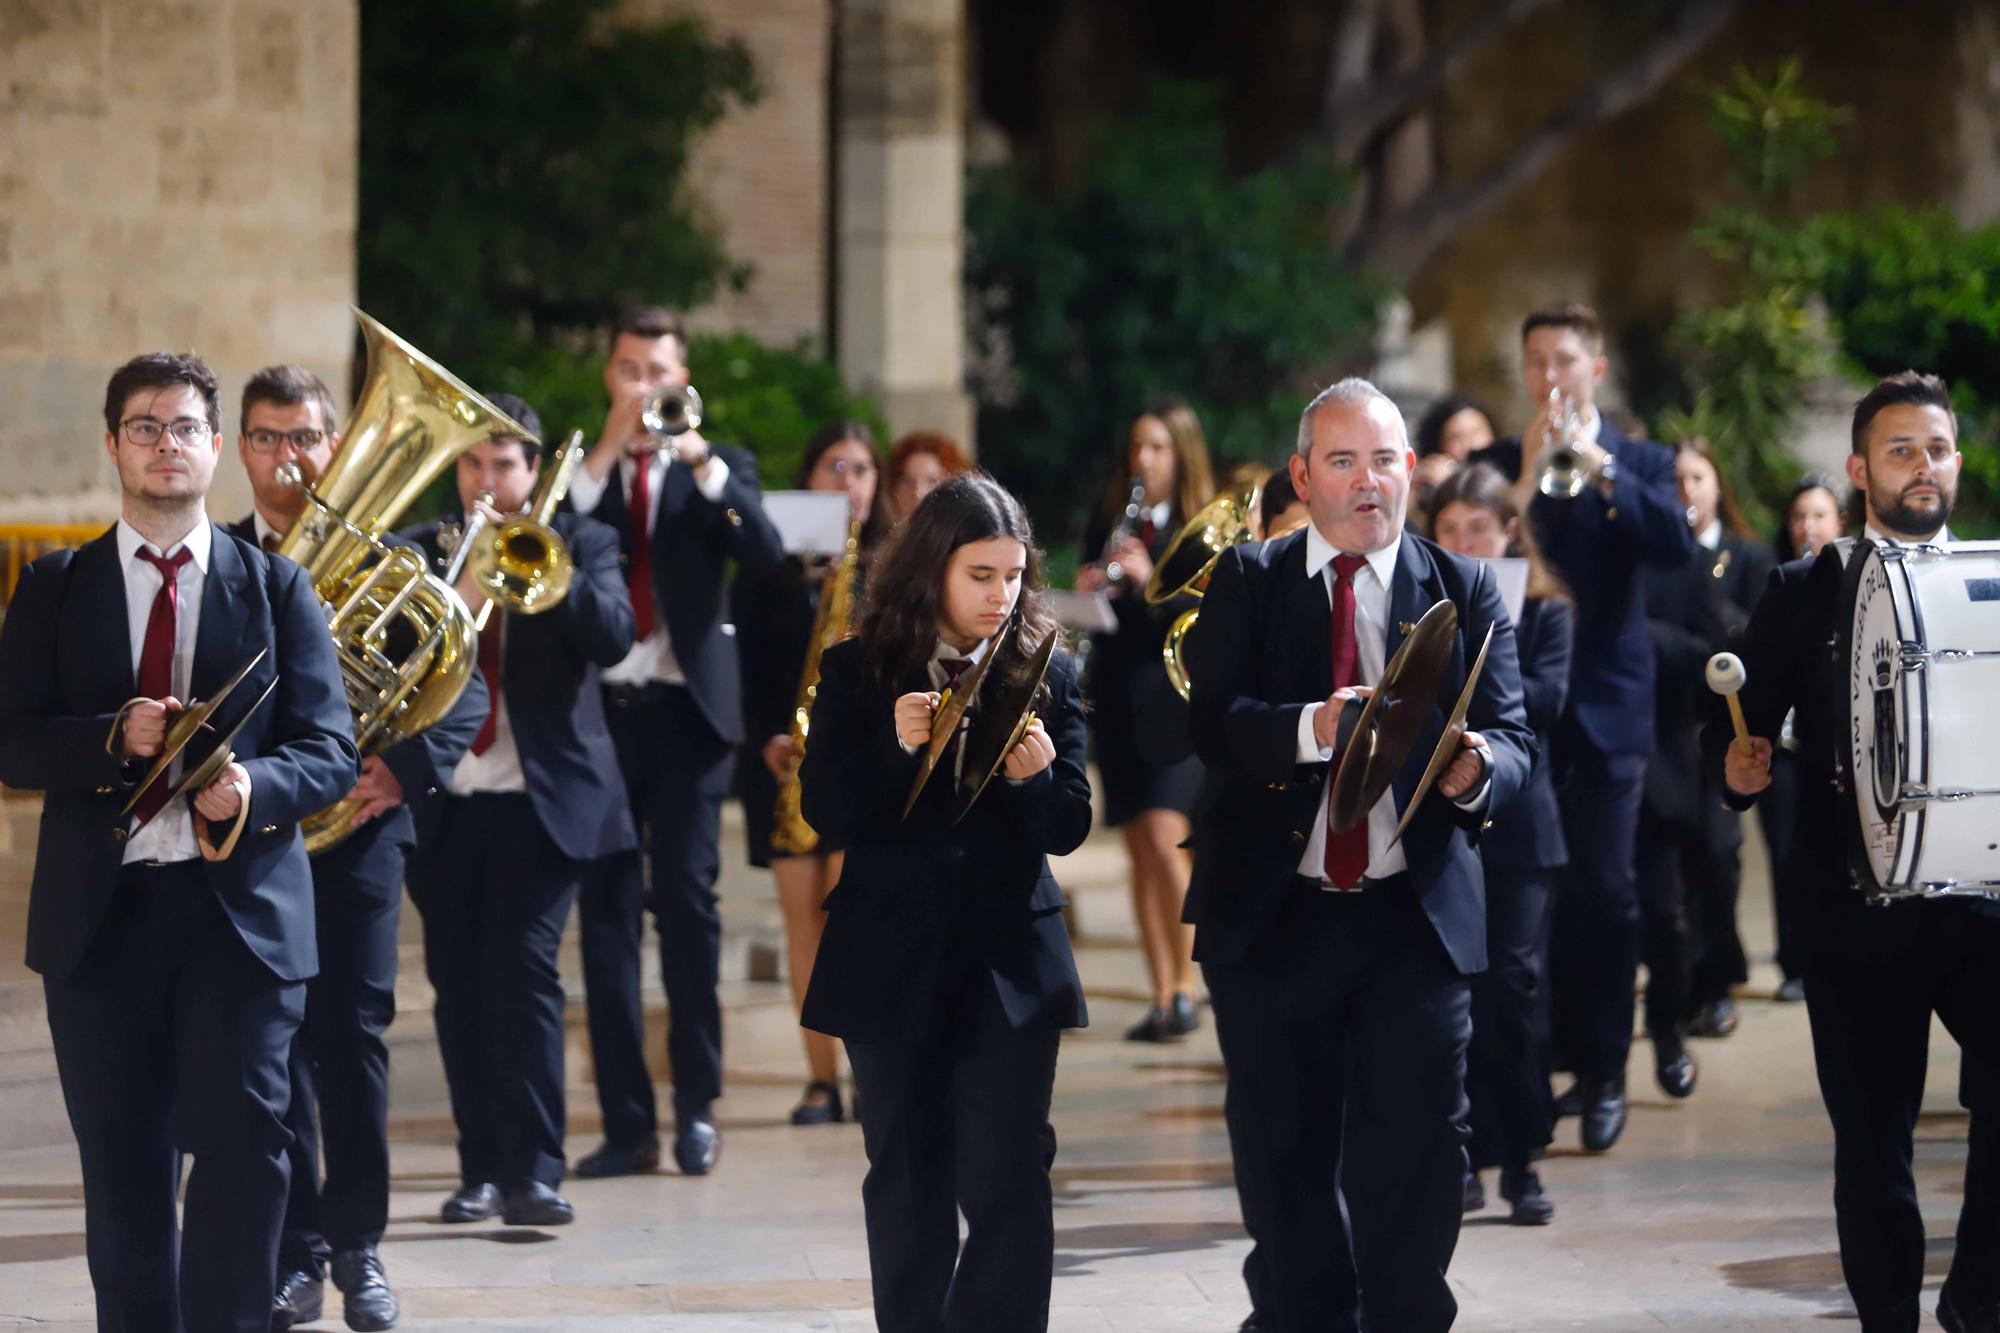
point(994, 736)
point(189, 723)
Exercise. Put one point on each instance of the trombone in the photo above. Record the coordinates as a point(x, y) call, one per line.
point(523, 563)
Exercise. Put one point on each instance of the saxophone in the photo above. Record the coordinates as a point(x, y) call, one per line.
point(790, 834)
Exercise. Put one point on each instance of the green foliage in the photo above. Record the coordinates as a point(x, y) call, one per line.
point(1776, 132)
point(1158, 271)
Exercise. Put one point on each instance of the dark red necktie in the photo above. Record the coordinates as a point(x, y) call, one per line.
point(639, 572)
point(954, 667)
point(489, 667)
point(270, 543)
point(1346, 853)
point(1147, 531)
point(156, 655)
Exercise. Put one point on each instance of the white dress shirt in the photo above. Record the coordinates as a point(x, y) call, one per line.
point(267, 535)
point(1371, 640)
point(499, 769)
point(1710, 537)
point(652, 658)
point(169, 835)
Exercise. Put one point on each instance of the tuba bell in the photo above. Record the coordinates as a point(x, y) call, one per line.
point(405, 640)
point(1186, 564)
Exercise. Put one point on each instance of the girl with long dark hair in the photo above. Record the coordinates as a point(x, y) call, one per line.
point(945, 966)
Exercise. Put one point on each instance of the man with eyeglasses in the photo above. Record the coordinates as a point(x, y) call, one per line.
point(339, 1061)
point(173, 950)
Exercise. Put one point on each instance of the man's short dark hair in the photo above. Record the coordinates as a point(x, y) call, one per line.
point(287, 385)
point(1908, 386)
point(1278, 495)
point(518, 409)
point(160, 370)
point(1575, 316)
point(648, 321)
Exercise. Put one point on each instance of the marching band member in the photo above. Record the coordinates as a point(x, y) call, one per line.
point(1875, 975)
point(1148, 794)
point(339, 1060)
point(1338, 964)
point(918, 464)
point(682, 513)
point(1507, 1078)
point(1627, 515)
point(776, 612)
point(945, 967)
point(534, 801)
point(174, 982)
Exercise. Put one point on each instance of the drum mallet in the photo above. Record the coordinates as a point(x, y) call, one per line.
point(1726, 677)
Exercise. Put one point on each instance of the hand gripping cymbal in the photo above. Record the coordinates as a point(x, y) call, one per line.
point(1393, 718)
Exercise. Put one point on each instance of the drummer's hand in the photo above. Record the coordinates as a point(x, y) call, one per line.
point(913, 717)
point(223, 797)
point(1467, 767)
point(1748, 774)
point(1091, 578)
point(143, 732)
point(1326, 722)
point(1032, 754)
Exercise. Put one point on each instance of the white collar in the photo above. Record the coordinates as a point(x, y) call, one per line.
point(1320, 553)
point(197, 543)
point(945, 652)
point(1159, 514)
point(1710, 536)
point(1874, 534)
point(1592, 427)
point(262, 527)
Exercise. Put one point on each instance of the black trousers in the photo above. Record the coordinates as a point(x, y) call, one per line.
point(1778, 808)
point(1594, 936)
point(170, 1038)
point(677, 775)
point(495, 892)
point(1711, 879)
point(1345, 1035)
point(1507, 1075)
point(1667, 851)
point(960, 1124)
point(1871, 1021)
point(340, 1062)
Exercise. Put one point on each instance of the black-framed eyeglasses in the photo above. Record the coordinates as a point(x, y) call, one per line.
point(266, 441)
point(145, 431)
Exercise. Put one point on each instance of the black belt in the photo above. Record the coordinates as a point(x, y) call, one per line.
point(625, 696)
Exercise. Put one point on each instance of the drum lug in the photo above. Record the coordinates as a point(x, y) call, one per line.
point(1915, 657)
point(1915, 794)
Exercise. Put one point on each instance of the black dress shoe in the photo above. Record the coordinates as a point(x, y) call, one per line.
point(536, 1205)
point(1475, 1192)
point(301, 1296)
point(1677, 1074)
point(1955, 1318)
point(1153, 1027)
point(1182, 1016)
point(1569, 1102)
point(611, 1159)
point(472, 1203)
point(1717, 1018)
point(821, 1105)
point(1531, 1207)
point(697, 1143)
point(369, 1306)
point(1603, 1114)
point(1790, 991)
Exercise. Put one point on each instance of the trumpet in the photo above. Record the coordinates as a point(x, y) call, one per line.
point(671, 413)
point(1563, 475)
point(523, 563)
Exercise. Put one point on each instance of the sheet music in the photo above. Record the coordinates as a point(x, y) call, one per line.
point(809, 522)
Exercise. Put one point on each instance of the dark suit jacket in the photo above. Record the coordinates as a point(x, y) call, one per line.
point(1527, 835)
point(925, 907)
point(549, 672)
point(693, 542)
point(1263, 650)
point(1684, 620)
point(65, 668)
point(1131, 696)
point(1599, 544)
point(1791, 661)
point(422, 763)
point(1741, 570)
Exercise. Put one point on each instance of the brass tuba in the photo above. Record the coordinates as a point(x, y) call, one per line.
point(1190, 558)
point(405, 639)
point(790, 834)
point(523, 563)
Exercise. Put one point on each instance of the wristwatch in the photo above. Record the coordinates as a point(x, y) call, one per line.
point(707, 452)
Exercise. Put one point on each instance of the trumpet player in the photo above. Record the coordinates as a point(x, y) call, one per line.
point(1623, 512)
point(683, 510)
point(534, 801)
point(339, 1060)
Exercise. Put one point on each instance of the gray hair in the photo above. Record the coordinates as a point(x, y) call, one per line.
point(1350, 392)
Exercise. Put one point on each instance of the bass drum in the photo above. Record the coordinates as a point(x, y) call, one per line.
point(1921, 644)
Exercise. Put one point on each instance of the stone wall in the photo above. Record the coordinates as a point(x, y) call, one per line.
point(173, 174)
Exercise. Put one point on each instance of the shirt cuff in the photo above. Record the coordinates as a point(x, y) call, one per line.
point(1309, 746)
point(711, 485)
point(585, 490)
point(1475, 800)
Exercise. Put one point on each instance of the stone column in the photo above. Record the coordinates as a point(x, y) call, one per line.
point(900, 219)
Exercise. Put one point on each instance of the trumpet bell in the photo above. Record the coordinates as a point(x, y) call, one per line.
point(1564, 477)
point(672, 412)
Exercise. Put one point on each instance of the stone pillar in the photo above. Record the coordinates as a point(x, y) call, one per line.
point(174, 174)
point(900, 208)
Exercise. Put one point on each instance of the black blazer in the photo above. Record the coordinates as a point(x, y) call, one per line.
point(66, 667)
point(422, 763)
point(1599, 545)
point(1527, 835)
point(550, 675)
point(1131, 695)
point(1791, 663)
point(1260, 653)
point(925, 908)
point(693, 542)
point(1684, 620)
point(1741, 569)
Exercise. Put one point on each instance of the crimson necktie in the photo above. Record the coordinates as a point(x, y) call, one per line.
point(639, 572)
point(489, 667)
point(954, 667)
point(1346, 853)
point(270, 543)
point(156, 655)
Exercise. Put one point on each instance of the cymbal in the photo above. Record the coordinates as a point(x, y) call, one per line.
point(1447, 746)
point(218, 758)
point(944, 722)
point(1000, 729)
point(187, 724)
point(1393, 718)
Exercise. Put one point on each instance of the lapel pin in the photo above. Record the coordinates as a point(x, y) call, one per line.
point(1405, 627)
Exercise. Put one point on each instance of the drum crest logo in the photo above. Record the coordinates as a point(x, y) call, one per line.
point(1888, 784)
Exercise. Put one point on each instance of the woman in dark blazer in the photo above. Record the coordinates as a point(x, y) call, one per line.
point(775, 611)
point(945, 967)
point(1144, 756)
point(1507, 1075)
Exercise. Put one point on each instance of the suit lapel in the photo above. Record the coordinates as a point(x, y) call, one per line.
point(218, 644)
point(98, 584)
point(1314, 608)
